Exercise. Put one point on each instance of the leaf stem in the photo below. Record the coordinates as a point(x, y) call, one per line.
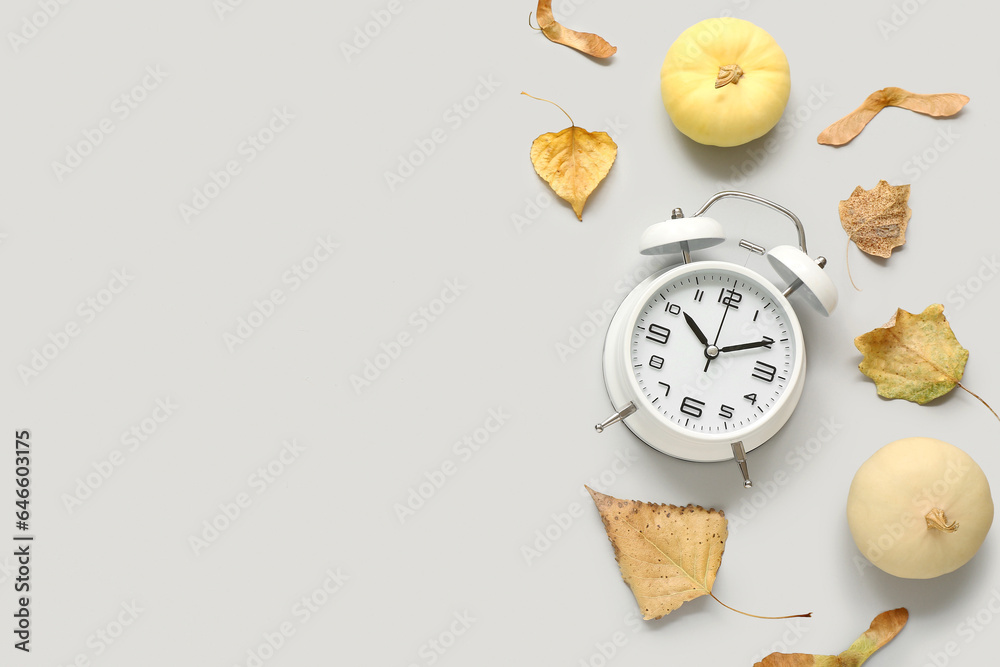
point(531, 26)
point(766, 618)
point(980, 399)
point(542, 99)
point(847, 263)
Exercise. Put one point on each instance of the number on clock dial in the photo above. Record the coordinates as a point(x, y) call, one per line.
point(730, 297)
point(658, 334)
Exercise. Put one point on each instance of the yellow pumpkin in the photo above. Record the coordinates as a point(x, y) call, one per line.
point(725, 82)
point(919, 508)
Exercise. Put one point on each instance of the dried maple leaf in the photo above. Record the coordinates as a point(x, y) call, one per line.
point(885, 626)
point(915, 357)
point(573, 161)
point(850, 126)
point(584, 42)
point(667, 554)
point(876, 219)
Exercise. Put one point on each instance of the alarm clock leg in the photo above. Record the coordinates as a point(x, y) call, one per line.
point(741, 458)
point(615, 418)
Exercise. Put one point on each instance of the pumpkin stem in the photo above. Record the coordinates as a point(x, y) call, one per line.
point(937, 520)
point(728, 74)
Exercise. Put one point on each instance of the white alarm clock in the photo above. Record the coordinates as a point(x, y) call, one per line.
point(705, 361)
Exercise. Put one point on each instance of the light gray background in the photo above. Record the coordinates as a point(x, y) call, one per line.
point(524, 291)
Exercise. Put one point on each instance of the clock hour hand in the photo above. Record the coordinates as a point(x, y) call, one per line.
point(746, 346)
point(696, 329)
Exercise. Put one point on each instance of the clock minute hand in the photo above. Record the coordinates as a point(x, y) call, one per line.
point(712, 351)
point(745, 346)
point(696, 329)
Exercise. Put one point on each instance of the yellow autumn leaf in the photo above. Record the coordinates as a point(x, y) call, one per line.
point(573, 161)
point(667, 554)
point(915, 357)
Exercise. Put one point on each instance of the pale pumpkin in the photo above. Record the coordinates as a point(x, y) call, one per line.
point(725, 82)
point(919, 508)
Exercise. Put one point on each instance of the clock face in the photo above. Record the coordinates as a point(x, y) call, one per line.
point(713, 351)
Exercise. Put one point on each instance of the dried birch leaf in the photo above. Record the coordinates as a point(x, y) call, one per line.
point(573, 161)
point(885, 626)
point(667, 554)
point(584, 42)
point(850, 126)
point(915, 357)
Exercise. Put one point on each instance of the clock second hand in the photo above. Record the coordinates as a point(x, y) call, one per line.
point(718, 333)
